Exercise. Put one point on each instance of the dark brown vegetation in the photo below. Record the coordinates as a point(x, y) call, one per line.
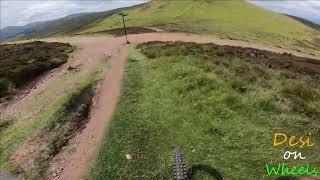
point(286, 61)
point(20, 63)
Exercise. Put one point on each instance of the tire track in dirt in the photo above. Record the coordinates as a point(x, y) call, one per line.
point(86, 143)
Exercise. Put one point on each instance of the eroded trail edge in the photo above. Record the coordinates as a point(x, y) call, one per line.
point(75, 165)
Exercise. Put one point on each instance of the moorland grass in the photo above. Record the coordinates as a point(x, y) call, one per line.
point(221, 111)
point(21, 63)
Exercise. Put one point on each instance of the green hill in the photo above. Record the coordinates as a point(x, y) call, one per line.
point(306, 22)
point(239, 20)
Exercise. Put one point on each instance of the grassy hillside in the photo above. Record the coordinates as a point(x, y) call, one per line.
point(227, 19)
point(306, 22)
point(218, 104)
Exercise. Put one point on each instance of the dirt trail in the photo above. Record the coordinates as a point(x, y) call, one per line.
point(76, 165)
point(140, 38)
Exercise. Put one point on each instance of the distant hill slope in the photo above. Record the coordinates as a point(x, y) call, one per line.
point(239, 20)
point(61, 26)
point(236, 17)
point(14, 31)
point(306, 22)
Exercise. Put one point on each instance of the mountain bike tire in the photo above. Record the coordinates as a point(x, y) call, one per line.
point(180, 167)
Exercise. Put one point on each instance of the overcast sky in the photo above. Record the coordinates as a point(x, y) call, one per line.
point(21, 12)
point(307, 9)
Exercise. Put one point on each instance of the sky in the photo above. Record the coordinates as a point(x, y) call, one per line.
point(307, 9)
point(22, 12)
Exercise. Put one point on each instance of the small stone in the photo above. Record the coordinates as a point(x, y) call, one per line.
point(252, 55)
point(70, 68)
point(193, 150)
point(243, 88)
point(128, 156)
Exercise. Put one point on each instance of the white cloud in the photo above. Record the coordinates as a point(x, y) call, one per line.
point(307, 9)
point(17, 12)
